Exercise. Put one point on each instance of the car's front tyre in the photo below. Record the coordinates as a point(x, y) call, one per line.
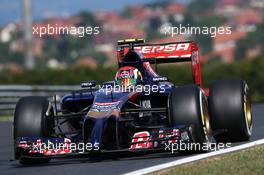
point(187, 105)
point(33, 117)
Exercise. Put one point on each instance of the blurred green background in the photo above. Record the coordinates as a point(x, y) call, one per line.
point(69, 59)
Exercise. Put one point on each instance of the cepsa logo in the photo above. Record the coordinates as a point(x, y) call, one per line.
point(163, 49)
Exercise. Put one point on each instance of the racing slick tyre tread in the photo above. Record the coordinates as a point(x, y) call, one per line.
point(31, 119)
point(230, 110)
point(188, 106)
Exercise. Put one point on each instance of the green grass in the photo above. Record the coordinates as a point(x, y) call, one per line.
point(246, 162)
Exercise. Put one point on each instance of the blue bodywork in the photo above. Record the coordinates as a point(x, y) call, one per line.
point(97, 118)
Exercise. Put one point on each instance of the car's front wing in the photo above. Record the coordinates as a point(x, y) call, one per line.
point(144, 141)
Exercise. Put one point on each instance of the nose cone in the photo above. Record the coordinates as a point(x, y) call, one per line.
point(95, 130)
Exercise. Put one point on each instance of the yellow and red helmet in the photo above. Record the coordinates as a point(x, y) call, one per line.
point(128, 76)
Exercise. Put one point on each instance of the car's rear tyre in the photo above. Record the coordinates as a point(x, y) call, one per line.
point(230, 110)
point(187, 105)
point(33, 117)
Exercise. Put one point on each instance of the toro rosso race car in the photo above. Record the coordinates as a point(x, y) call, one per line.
point(140, 111)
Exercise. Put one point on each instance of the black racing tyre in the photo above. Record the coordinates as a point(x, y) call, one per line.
point(33, 117)
point(187, 105)
point(230, 110)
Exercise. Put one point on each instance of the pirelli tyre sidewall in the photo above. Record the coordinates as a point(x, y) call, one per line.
point(33, 117)
point(187, 105)
point(230, 110)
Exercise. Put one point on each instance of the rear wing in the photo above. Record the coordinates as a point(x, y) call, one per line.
point(164, 53)
point(159, 53)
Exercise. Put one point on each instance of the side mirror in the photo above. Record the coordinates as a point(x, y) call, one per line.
point(88, 84)
point(160, 79)
point(108, 84)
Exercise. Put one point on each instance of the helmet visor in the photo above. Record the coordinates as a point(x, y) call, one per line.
point(126, 82)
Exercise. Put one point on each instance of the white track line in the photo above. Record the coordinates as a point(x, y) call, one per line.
point(194, 158)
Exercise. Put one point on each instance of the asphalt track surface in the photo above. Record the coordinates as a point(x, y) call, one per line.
point(107, 165)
